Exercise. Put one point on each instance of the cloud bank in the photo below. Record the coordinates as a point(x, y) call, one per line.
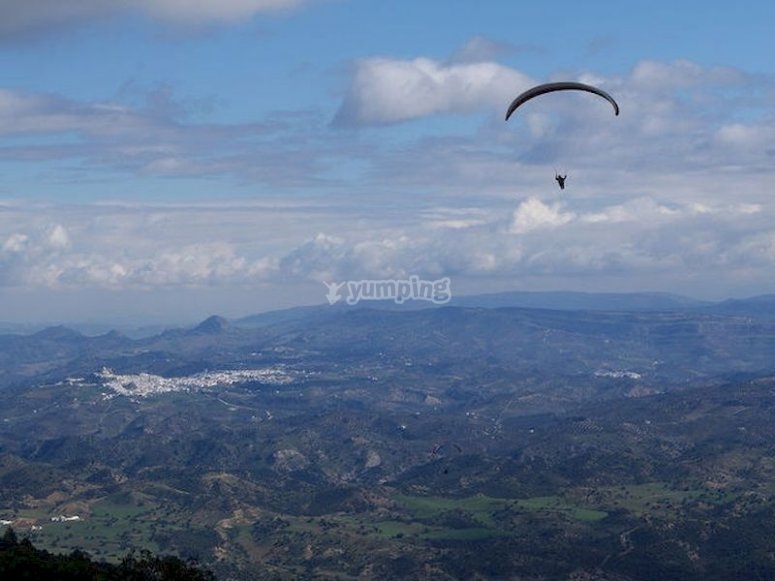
point(36, 16)
point(163, 247)
point(675, 193)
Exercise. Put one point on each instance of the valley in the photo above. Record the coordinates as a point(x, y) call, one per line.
point(448, 443)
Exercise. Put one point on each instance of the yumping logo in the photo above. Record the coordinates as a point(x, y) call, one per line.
point(414, 289)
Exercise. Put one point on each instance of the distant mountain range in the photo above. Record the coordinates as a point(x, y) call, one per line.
point(664, 338)
point(567, 300)
point(757, 306)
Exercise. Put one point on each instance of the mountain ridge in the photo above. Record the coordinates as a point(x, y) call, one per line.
point(757, 305)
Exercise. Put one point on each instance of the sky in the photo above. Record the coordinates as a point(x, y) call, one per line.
point(166, 160)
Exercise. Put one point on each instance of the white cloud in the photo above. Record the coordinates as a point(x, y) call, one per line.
point(388, 91)
point(158, 248)
point(533, 214)
point(643, 210)
point(15, 243)
point(57, 237)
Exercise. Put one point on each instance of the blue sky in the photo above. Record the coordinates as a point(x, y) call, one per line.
point(163, 160)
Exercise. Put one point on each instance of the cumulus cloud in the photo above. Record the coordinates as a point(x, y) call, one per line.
point(26, 256)
point(117, 248)
point(533, 214)
point(388, 91)
point(216, 263)
point(14, 244)
point(542, 240)
point(159, 248)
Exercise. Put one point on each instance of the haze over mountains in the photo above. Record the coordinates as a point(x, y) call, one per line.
point(634, 330)
point(763, 305)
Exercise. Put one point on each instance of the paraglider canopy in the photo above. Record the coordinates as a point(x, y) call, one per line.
point(559, 86)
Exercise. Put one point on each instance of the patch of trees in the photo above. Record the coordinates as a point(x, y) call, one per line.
point(19, 559)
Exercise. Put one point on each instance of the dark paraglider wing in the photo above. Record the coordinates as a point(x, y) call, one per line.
point(560, 86)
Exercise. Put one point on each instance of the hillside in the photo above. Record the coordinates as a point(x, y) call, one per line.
point(446, 443)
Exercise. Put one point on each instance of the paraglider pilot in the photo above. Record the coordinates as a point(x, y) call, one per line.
point(561, 180)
